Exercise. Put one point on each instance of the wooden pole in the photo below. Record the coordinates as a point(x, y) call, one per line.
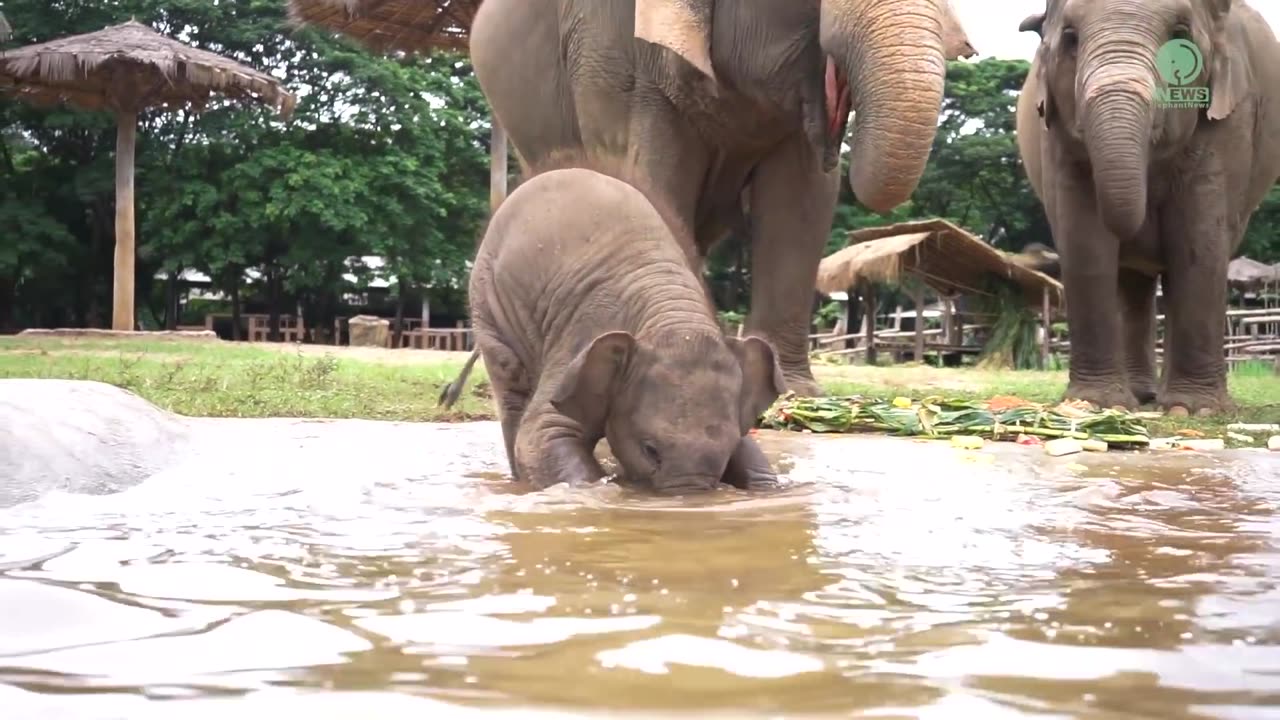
point(1046, 321)
point(849, 314)
point(870, 290)
point(122, 316)
point(917, 297)
point(947, 329)
point(497, 166)
point(426, 320)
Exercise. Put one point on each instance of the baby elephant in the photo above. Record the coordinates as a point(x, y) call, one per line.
point(592, 325)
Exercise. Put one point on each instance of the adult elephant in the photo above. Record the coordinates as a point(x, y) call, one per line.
point(1142, 183)
point(726, 104)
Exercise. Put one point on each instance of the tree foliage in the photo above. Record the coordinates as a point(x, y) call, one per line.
point(384, 156)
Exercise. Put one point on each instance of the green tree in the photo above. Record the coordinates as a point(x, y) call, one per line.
point(1262, 240)
point(384, 156)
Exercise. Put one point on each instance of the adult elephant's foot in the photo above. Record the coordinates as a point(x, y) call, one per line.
point(1144, 393)
point(1203, 404)
point(801, 383)
point(1102, 395)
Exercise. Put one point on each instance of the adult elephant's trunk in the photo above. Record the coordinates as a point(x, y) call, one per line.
point(1117, 130)
point(891, 53)
point(1116, 87)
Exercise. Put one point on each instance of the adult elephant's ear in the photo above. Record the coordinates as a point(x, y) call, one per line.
point(1046, 108)
point(762, 380)
point(682, 26)
point(1229, 73)
point(591, 379)
point(1033, 23)
point(1044, 101)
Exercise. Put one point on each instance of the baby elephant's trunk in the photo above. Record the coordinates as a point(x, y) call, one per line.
point(689, 482)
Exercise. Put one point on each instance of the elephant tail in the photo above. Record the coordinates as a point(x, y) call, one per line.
point(450, 393)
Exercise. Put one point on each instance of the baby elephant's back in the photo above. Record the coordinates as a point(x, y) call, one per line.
point(568, 218)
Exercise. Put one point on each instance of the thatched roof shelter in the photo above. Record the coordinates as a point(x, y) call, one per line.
point(124, 69)
point(387, 25)
point(942, 255)
point(1245, 272)
point(5, 30)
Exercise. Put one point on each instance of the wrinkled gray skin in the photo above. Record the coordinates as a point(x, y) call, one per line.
point(725, 104)
point(592, 325)
point(1135, 191)
point(79, 436)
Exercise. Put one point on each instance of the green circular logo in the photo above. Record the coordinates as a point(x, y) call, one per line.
point(1179, 62)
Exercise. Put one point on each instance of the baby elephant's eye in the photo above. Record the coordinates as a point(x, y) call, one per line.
point(651, 453)
point(1181, 32)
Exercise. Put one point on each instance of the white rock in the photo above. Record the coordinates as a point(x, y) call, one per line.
point(1063, 446)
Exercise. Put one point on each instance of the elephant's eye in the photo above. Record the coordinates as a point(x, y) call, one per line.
point(1070, 39)
point(651, 452)
point(1181, 31)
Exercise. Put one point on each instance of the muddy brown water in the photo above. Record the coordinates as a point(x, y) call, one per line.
point(353, 569)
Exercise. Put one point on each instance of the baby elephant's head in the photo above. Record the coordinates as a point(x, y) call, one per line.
point(674, 410)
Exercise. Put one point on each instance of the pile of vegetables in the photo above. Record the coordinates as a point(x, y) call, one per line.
point(1001, 418)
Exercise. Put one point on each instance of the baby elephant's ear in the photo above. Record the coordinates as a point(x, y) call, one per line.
point(590, 380)
point(762, 380)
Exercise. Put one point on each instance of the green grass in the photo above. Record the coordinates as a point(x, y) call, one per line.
point(239, 380)
point(218, 379)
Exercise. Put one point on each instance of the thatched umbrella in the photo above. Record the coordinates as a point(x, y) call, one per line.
point(5, 30)
point(414, 26)
point(125, 69)
point(1244, 272)
point(386, 25)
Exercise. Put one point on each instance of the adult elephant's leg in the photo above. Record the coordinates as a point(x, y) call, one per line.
point(792, 205)
point(1196, 245)
point(1138, 306)
point(668, 152)
point(1089, 255)
point(515, 52)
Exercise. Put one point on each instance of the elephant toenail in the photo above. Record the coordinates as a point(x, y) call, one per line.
point(1178, 411)
point(1205, 412)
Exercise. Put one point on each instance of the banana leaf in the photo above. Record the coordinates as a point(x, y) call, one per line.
point(939, 417)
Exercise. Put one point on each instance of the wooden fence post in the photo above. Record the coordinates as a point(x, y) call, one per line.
point(1046, 321)
point(870, 290)
point(917, 297)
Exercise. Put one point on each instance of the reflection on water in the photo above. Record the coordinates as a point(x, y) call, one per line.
point(891, 578)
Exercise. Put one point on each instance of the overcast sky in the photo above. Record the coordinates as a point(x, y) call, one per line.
point(993, 25)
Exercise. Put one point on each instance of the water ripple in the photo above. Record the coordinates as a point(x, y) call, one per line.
point(923, 582)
